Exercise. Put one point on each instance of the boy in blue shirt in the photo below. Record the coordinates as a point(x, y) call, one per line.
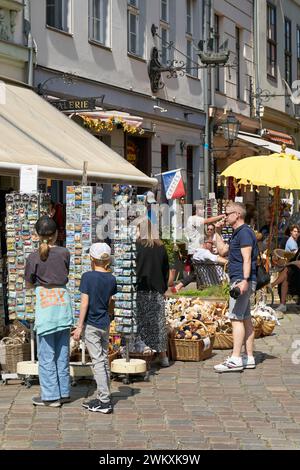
point(97, 287)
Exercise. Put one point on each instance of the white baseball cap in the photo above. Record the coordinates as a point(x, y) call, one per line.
point(150, 197)
point(99, 249)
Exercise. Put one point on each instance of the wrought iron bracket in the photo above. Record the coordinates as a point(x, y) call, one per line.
point(155, 69)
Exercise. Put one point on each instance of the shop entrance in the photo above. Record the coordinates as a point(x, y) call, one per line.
point(138, 152)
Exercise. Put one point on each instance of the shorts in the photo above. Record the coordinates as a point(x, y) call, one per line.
point(239, 309)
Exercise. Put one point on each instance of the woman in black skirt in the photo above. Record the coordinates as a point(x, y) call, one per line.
point(152, 268)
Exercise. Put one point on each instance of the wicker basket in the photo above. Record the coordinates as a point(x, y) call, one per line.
point(223, 340)
point(267, 327)
point(257, 325)
point(145, 357)
point(12, 351)
point(190, 350)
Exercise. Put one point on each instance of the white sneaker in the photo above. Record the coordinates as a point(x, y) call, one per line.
point(230, 365)
point(248, 362)
point(281, 308)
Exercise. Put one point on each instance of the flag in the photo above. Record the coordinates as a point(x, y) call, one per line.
point(173, 184)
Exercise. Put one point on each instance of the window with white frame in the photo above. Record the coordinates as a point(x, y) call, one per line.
point(165, 50)
point(189, 16)
point(58, 14)
point(164, 10)
point(99, 21)
point(136, 27)
point(288, 50)
point(189, 57)
point(191, 61)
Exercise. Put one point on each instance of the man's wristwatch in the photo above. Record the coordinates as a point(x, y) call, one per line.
point(246, 279)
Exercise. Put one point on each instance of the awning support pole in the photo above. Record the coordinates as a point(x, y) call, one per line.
point(84, 174)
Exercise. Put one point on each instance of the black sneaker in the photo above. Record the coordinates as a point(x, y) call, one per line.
point(37, 401)
point(87, 403)
point(100, 407)
point(65, 400)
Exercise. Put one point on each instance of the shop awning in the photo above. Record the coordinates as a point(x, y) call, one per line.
point(258, 142)
point(278, 137)
point(101, 120)
point(34, 132)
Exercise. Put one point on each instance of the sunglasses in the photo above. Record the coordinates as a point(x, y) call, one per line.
point(229, 213)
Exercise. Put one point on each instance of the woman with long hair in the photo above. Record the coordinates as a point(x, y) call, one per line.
point(47, 270)
point(152, 269)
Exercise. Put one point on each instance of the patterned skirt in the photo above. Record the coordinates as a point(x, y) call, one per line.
point(151, 320)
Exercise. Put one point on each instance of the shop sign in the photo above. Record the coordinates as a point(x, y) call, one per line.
point(81, 104)
point(28, 178)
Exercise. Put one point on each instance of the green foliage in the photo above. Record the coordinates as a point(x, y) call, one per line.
point(169, 246)
point(211, 291)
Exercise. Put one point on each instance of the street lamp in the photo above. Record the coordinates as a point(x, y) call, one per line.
point(231, 127)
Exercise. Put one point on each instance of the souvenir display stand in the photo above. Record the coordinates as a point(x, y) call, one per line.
point(124, 241)
point(23, 211)
point(82, 203)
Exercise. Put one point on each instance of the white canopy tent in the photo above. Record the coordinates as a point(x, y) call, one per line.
point(33, 132)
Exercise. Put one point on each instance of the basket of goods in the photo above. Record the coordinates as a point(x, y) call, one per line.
point(223, 334)
point(12, 351)
point(281, 257)
point(139, 350)
point(147, 356)
point(192, 341)
point(267, 317)
point(257, 323)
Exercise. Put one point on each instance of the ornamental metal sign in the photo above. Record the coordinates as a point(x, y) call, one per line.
point(76, 104)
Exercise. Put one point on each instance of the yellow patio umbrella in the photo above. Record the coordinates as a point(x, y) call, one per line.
point(279, 170)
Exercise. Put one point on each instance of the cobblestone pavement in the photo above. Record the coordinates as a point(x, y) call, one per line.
point(186, 406)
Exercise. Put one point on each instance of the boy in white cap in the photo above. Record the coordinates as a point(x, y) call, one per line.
point(97, 287)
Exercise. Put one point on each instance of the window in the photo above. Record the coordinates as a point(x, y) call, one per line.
point(58, 14)
point(136, 27)
point(164, 10)
point(98, 21)
point(288, 50)
point(165, 51)
point(238, 61)
point(217, 45)
point(189, 17)
point(298, 52)
point(191, 61)
point(271, 41)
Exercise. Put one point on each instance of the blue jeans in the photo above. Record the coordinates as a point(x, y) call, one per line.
point(54, 371)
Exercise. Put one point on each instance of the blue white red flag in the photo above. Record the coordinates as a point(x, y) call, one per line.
point(173, 184)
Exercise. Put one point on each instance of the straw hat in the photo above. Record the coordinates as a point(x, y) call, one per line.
point(281, 257)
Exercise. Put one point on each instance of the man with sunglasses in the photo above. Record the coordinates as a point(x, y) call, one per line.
point(242, 251)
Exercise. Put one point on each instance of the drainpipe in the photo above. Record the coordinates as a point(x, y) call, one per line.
point(212, 99)
point(206, 84)
point(257, 55)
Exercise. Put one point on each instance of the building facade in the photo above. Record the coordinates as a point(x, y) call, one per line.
point(16, 55)
point(277, 48)
point(106, 48)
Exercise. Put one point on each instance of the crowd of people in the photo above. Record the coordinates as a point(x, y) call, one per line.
point(47, 270)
